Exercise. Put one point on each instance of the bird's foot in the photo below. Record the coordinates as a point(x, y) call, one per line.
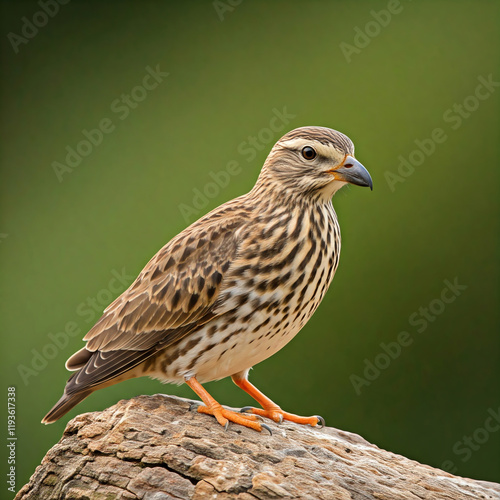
point(225, 416)
point(278, 415)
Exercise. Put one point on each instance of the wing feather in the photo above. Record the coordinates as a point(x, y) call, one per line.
point(176, 290)
point(175, 294)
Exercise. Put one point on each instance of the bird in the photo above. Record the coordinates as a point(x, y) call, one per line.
point(232, 289)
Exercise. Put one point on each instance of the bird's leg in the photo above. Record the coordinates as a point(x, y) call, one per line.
point(222, 415)
point(269, 408)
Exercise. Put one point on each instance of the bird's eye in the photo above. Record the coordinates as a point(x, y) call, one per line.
point(308, 153)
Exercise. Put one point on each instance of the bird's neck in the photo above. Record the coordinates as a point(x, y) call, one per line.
point(270, 190)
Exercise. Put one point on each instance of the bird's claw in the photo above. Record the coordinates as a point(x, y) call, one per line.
point(268, 429)
point(226, 427)
point(282, 416)
point(193, 406)
point(321, 421)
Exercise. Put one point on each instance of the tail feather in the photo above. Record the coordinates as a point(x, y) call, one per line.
point(65, 404)
point(95, 370)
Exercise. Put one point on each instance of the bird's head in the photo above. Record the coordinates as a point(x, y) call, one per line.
point(314, 160)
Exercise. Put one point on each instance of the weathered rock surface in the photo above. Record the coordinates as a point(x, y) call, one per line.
point(154, 448)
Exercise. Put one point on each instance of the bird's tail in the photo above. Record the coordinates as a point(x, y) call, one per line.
point(65, 404)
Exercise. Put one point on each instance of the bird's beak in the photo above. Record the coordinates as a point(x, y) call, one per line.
point(353, 172)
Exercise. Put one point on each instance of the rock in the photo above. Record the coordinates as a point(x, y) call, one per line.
point(155, 448)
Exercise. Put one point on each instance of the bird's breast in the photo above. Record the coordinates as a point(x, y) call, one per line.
point(276, 285)
point(286, 269)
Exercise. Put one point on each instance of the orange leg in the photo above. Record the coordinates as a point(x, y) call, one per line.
point(222, 415)
point(271, 410)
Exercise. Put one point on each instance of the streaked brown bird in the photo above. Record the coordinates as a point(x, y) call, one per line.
point(231, 289)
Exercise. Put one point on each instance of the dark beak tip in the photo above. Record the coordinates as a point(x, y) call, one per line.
point(364, 181)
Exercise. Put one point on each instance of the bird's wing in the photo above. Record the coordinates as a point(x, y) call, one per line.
point(174, 292)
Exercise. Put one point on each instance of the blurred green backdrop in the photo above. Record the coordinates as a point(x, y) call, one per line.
point(231, 69)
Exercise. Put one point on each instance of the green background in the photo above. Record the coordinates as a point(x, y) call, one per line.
point(122, 203)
